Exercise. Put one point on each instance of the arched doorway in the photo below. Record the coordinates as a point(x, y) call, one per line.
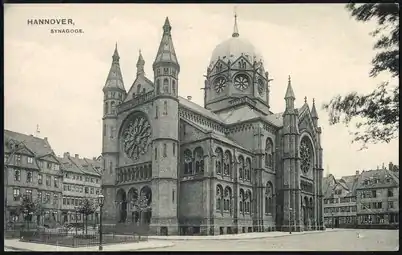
point(145, 205)
point(305, 212)
point(121, 202)
point(133, 205)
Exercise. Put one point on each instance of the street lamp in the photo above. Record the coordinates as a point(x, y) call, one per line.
point(76, 220)
point(332, 217)
point(101, 200)
point(290, 222)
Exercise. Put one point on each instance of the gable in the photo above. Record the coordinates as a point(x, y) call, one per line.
point(306, 121)
point(140, 83)
point(51, 158)
point(242, 63)
point(25, 151)
point(191, 132)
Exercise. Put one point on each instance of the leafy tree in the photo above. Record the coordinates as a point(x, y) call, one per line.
point(87, 207)
point(141, 205)
point(376, 114)
point(28, 207)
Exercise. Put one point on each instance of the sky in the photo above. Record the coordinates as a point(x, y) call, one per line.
point(56, 80)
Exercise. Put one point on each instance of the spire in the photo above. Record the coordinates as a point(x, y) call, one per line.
point(115, 79)
point(289, 91)
point(116, 56)
point(235, 29)
point(140, 64)
point(314, 111)
point(166, 52)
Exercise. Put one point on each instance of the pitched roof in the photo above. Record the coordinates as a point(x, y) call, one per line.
point(199, 109)
point(381, 174)
point(37, 145)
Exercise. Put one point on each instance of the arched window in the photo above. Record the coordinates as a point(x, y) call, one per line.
point(158, 86)
point(199, 160)
point(137, 173)
point(133, 94)
point(156, 153)
point(165, 108)
point(156, 111)
point(247, 170)
point(111, 167)
point(141, 173)
point(241, 201)
point(269, 153)
point(143, 91)
point(227, 205)
point(106, 107)
point(113, 107)
point(188, 162)
point(268, 198)
point(174, 87)
point(227, 165)
point(164, 150)
point(247, 202)
point(104, 129)
point(165, 86)
point(138, 88)
point(218, 160)
point(219, 197)
point(241, 167)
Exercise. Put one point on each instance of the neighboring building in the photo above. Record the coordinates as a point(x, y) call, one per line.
point(365, 200)
point(378, 198)
point(228, 167)
point(340, 209)
point(82, 180)
point(32, 169)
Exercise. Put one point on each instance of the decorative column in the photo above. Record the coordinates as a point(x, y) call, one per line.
point(235, 197)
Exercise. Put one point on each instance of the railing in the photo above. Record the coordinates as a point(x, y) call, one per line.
point(136, 101)
point(69, 238)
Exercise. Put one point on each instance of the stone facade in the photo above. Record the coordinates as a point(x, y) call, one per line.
point(231, 166)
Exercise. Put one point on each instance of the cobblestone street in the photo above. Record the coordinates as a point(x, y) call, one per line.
point(347, 240)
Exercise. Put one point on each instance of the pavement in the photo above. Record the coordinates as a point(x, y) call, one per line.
point(328, 240)
point(17, 245)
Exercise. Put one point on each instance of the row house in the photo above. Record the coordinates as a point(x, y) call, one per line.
point(81, 180)
point(368, 199)
point(31, 169)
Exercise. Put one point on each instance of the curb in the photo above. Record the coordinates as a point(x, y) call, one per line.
point(15, 249)
point(213, 238)
point(158, 247)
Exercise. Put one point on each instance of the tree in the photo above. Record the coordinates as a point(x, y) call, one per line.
point(87, 207)
point(28, 207)
point(376, 114)
point(141, 205)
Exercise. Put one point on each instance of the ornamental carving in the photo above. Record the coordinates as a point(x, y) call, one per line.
point(241, 82)
point(305, 155)
point(220, 84)
point(260, 87)
point(137, 137)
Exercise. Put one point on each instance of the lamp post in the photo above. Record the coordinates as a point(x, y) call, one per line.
point(76, 220)
point(101, 200)
point(332, 218)
point(290, 222)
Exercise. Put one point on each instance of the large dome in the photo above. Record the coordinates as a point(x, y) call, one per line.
point(232, 48)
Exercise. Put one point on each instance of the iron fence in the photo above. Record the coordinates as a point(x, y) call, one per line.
point(111, 234)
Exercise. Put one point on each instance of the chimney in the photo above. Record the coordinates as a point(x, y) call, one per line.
point(357, 172)
point(76, 156)
point(189, 98)
point(94, 158)
point(390, 166)
point(66, 154)
point(45, 138)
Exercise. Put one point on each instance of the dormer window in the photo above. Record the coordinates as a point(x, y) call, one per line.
point(30, 160)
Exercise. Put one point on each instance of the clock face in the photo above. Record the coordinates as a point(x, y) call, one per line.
point(260, 87)
point(241, 82)
point(220, 84)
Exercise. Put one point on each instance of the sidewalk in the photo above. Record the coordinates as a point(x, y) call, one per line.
point(15, 244)
point(243, 236)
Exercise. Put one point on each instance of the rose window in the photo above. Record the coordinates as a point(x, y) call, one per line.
point(220, 85)
point(305, 155)
point(137, 137)
point(241, 82)
point(260, 87)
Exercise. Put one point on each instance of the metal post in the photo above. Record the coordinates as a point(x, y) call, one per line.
point(332, 214)
point(100, 228)
point(290, 222)
point(76, 221)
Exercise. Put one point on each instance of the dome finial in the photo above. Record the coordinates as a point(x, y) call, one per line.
point(235, 29)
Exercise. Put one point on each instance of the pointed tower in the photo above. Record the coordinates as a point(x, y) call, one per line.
point(291, 177)
point(114, 94)
point(166, 137)
point(140, 65)
point(314, 114)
